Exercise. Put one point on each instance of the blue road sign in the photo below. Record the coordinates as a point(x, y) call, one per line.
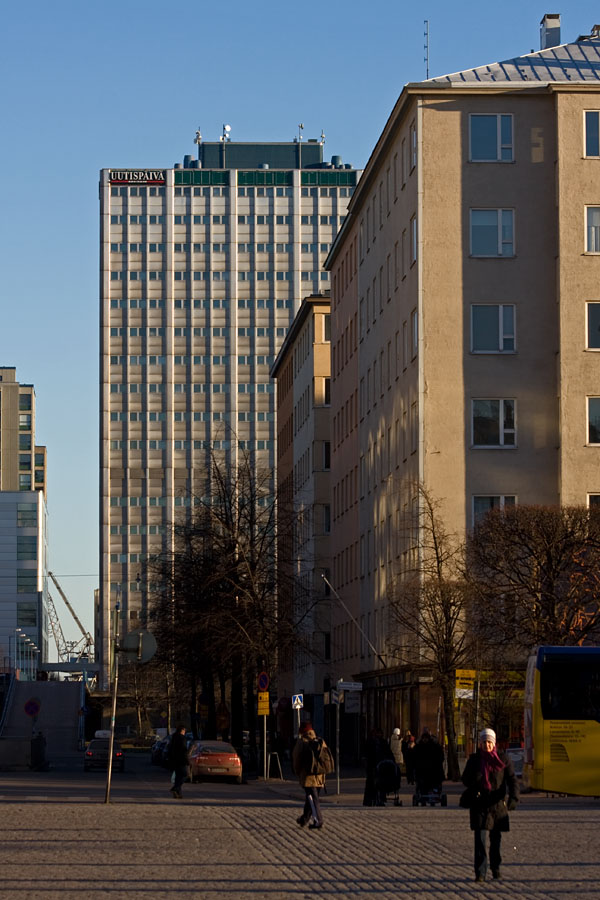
point(297, 701)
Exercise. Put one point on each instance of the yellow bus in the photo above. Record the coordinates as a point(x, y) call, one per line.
point(562, 720)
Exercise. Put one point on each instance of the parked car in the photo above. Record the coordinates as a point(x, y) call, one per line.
point(214, 759)
point(158, 752)
point(96, 755)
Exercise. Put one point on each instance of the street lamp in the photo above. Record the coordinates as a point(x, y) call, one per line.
point(17, 637)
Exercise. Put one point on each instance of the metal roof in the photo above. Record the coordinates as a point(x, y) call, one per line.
point(578, 62)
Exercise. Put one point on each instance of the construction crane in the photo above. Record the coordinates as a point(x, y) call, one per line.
point(67, 649)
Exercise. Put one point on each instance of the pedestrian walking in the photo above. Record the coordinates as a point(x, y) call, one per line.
point(177, 759)
point(377, 749)
point(310, 754)
point(408, 755)
point(396, 746)
point(428, 763)
point(492, 791)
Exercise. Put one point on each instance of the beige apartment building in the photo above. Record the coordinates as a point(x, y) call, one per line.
point(202, 268)
point(302, 370)
point(465, 329)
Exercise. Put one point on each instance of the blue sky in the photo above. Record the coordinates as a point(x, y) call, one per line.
point(92, 85)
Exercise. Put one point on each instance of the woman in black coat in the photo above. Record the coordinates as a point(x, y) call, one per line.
point(492, 791)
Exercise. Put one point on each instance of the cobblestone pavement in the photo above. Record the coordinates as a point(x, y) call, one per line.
point(216, 848)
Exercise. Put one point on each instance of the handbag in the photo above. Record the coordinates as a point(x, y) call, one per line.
point(469, 797)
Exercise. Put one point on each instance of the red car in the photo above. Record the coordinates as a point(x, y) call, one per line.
point(214, 758)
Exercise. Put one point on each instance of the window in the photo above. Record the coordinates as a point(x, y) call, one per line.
point(593, 326)
point(26, 515)
point(592, 243)
point(491, 138)
point(413, 240)
point(592, 133)
point(326, 518)
point(593, 420)
point(482, 505)
point(326, 455)
point(26, 612)
point(492, 232)
point(593, 500)
point(494, 423)
point(26, 584)
point(26, 547)
point(493, 328)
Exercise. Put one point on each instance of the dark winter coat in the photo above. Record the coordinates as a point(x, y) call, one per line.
point(489, 809)
point(178, 754)
point(429, 761)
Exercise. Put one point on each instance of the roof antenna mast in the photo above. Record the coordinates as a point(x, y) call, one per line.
point(426, 47)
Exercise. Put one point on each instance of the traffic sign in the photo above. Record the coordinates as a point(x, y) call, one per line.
point(297, 701)
point(263, 682)
point(335, 696)
point(264, 706)
point(349, 686)
point(32, 707)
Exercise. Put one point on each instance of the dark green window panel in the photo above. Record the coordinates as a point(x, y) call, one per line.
point(266, 177)
point(345, 178)
point(201, 176)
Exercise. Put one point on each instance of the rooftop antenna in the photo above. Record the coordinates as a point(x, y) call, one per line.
point(300, 130)
point(426, 48)
point(198, 140)
point(322, 136)
point(226, 132)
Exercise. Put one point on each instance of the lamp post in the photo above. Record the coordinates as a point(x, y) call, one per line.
point(17, 638)
point(111, 742)
point(28, 654)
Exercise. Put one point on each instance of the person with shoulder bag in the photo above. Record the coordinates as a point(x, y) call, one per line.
point(491, 791)
point(311, 762)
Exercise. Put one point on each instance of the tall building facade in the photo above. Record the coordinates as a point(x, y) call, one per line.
point(23, 530)
point(302, 372)
point(465, 329)
point(202, 270)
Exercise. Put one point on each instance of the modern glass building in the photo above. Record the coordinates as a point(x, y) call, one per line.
point(202, 269)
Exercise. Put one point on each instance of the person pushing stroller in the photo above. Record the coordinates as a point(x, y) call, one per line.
point(429, 765)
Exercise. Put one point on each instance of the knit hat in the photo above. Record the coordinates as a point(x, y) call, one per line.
point(488, 735)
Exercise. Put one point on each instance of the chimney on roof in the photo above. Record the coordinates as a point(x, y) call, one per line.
point(550, 31)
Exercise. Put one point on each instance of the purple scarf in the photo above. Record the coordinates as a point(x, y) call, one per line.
point(489, 762)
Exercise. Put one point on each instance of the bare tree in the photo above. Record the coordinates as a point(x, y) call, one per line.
point(536, 572)
point(216, 613)
point(430, 603)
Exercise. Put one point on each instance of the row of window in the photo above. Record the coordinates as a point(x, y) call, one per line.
point(492, 232)
point(491, 136)
point(223, 219)
point(224, 192)
point(187, 388)
point(222, 303)
point(182, 331)
point(220, 247)
point(181, 416)
point(260, 360)
point(186, 275)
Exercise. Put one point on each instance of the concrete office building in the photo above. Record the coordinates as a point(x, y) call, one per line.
point(302, 372)
point(23, 531)
point(465, 328)
point(202, 270)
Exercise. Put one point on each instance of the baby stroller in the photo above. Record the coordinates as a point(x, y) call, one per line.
point(387, 781)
